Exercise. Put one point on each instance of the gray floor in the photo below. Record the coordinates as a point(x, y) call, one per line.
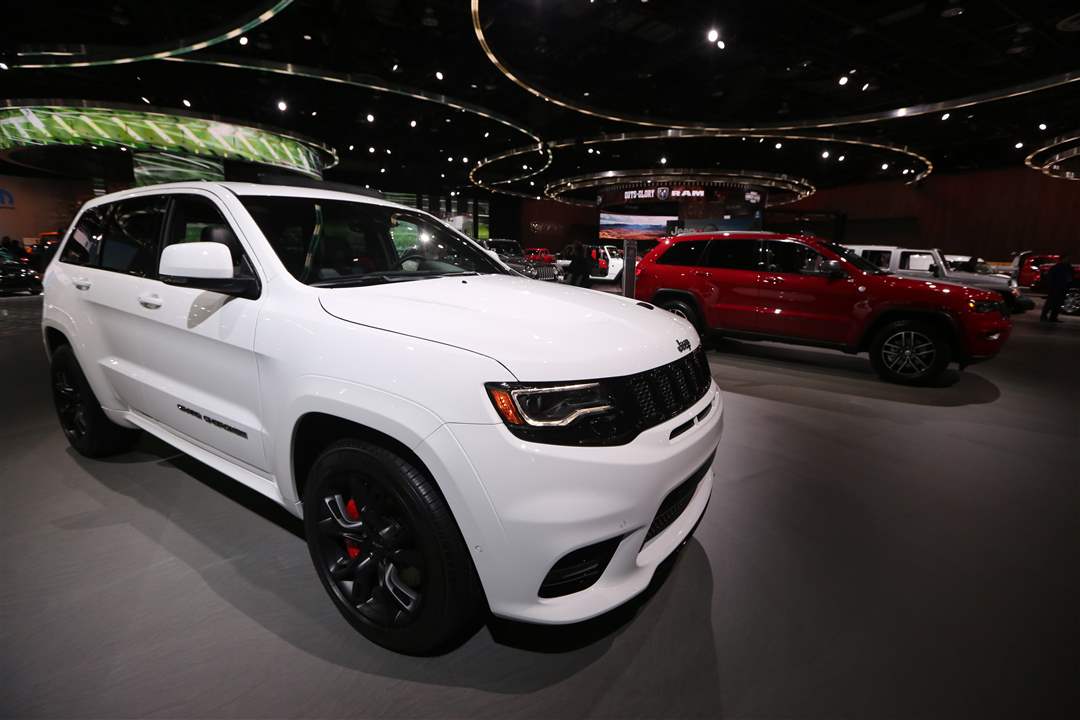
point(870, 551)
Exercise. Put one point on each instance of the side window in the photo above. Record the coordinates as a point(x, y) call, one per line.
point(687, 252)
point(735, 254)
point(794, 257)
point(83, 246)
point(131, 236)
point(881, 258)
point(195, 218)
point(916, 261)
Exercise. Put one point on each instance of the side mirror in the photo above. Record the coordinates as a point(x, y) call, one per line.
point(835, 270)
point(204, 266)
point(935, 270)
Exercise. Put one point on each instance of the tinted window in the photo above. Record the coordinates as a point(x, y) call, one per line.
point(339, 242)
point(735, 254)
point(131, 236)
point(794, 257)
point(687, 252)
point(195, 218)
point(85, 242)
point(881, 258)
point(916, 261)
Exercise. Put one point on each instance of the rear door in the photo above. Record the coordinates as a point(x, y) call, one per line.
point(801, 299)
point(198, 345)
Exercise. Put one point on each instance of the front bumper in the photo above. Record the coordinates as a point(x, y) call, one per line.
point(548, 500)
point(984, 335)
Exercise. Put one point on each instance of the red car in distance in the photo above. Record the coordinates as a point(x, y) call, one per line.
point(540, 255)
point(802, 290)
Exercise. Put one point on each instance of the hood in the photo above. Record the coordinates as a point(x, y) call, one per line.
point(996, 282)
point(940, 290)
point(540, 331)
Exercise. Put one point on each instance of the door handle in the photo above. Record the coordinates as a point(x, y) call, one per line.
point(701, 273)
point(80, 283)
point(150, 302)
point(774, 280)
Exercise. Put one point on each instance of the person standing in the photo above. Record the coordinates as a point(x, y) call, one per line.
point(579, 265)
point(1058, 280)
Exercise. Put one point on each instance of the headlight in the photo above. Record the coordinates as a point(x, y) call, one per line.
point(984, 306)
point(580, 413)
point(532, 272)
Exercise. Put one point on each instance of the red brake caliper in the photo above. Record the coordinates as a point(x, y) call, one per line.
point(353, 512)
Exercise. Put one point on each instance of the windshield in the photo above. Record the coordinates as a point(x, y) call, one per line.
point(510, 248)
point(855, 259)
point(339, 243)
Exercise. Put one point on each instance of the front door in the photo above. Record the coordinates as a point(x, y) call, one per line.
point(801, 300)
point(203, 374)
point(732, 279)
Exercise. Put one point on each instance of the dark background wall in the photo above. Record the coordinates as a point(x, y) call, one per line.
point(545, 223)
point(40, 205)
point(989, 213)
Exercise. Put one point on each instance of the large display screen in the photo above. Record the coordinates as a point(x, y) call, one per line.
point(614, 226)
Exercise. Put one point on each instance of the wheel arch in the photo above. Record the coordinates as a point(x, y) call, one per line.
point(938, 318)
point(663, 294)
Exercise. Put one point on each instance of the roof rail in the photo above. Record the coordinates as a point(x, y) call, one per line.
point(306, 182)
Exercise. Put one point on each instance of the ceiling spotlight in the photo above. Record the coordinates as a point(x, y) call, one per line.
point(951, 12)
point(465, 160)
point(394, 69)
point(825, 154)
point(350, 147)
point(243, 40)
point(187, 103)
point(442, 175)
point(449, 159)
point(843, 79)
point(866, 86)
point(663, 161)
point(1042, 126)
point(412, 123)
point(590, 151)
point(388, 151)
point(585, 94)
point(370, 117)
point(282, 106)
point(884, 166)
point(145, 100)
point(438, 75)
point(713, 35)
point(531, 183)
point(3, 66)
point(314, 113)
point(905, 171)
point(1018, 145)
point(307, 37)
point(841, 158)
point(486, 134)
point(779, 145)
point(945, 116)
point(721, 44)
point(524, 167)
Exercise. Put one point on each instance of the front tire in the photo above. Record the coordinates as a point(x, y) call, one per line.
point(388, 551)
point(83, 421)
point(910, 352)
point(685, 310)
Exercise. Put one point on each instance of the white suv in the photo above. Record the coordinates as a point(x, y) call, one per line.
point(450, 433)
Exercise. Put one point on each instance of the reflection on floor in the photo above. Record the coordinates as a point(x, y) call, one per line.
point(870, 551)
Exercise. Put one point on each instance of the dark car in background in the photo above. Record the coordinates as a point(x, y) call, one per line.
point(510, 252)
point(16, 276)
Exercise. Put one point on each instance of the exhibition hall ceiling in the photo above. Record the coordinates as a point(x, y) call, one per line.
point(424, 96)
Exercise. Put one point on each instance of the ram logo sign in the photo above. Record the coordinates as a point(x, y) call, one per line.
point(7, 200)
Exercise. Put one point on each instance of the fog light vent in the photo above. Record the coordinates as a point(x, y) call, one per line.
point(579, 569)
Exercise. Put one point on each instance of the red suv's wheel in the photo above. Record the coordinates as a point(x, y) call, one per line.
point(685, 310)
point(911, 352)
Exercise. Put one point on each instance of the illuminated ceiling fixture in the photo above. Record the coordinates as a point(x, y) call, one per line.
point(905, 171)
point(307, 37)
point(590, 151)
point(186, 102)
point(486, 134)
point(841, 158)
point(371, 149)
point(145, 99)
point(945, 116)
point(282, 106)
point(1042, 126)
point(438, 75)
point(370, 117)
point(382, 170)
point(351, 147)
point(951, 12)
point(244, 40)
point(779, 145)
point(843, 79)
point(394, 69)
point(721, 44)
point(314, 113)
point(412, 123)
point(388, 151)
point(449, 159)
point(884, 166)
point(866, 86)
point(1018, 145)
point(3, 66)
point(713, 35)
point(825, 154)
point(663, 161)
point(442, 175)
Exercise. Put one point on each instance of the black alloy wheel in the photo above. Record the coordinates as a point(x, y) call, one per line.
point(388, 551)
point(909, 352)
point(84, 423)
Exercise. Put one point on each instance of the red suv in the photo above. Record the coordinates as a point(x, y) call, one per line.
point(803, 290)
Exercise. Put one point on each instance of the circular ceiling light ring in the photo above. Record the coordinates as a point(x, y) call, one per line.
point(84, 123)
point(799, 187)
point(861, 119)
point(1045, 165)
point(366, 82)
point(675, 134)
point(162, 51)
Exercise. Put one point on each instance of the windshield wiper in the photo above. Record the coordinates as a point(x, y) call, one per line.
point(357, 280)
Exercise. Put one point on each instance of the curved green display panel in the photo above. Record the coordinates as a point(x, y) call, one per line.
point(143, 131)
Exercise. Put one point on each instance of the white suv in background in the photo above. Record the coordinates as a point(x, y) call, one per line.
point(451, 434)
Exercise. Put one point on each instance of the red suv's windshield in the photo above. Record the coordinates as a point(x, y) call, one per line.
point(855, 259)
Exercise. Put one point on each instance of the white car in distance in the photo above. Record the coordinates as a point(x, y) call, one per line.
point(454, 437)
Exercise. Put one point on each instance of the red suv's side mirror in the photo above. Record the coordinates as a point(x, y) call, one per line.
point(835, 270)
